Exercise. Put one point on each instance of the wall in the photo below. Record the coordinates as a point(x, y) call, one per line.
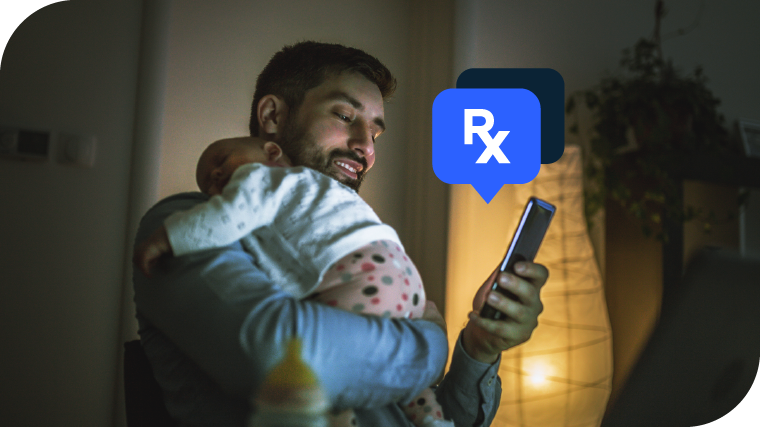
point(69, 67)
point(582, 40)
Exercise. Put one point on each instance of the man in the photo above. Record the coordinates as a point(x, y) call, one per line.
point(213, 325)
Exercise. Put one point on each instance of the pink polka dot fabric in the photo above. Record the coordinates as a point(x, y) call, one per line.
point(377, 279)
point(423, 406)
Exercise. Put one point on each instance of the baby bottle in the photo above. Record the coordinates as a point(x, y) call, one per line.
point(290, 395)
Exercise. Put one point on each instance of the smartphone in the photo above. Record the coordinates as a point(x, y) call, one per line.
point(530, 233)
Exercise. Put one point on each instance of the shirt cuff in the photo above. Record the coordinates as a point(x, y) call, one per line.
point(465, 367)
point(476, 382)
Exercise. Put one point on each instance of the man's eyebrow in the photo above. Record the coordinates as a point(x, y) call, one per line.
point(339, 95)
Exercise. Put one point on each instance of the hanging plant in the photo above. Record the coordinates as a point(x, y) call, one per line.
point(647, 119)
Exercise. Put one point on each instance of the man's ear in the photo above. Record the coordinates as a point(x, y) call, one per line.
point(273, 150)
point(271, 113)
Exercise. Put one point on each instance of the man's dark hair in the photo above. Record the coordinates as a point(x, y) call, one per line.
point(305, 65)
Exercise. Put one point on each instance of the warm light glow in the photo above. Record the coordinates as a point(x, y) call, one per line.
point(538, 378)
point(538, 373)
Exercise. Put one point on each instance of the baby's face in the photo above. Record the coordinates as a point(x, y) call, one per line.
point(222, 158)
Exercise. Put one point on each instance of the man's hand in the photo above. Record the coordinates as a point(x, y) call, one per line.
point(485, 339)
point(432, 314)
point(150, 251)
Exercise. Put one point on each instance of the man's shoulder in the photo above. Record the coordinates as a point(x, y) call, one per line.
point(156, 215)
point(176, 202)
point(190, 197)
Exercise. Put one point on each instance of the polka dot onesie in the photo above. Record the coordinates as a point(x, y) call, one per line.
point(379, 279)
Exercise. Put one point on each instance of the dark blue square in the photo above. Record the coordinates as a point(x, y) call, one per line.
point(548, 86)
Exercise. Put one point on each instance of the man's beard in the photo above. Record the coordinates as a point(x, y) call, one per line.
point(303, 150)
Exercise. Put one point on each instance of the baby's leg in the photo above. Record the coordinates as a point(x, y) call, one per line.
point(424, 410)
point(380, 279)
point(377, 279)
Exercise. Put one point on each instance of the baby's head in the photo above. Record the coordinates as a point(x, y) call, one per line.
point(220, 160)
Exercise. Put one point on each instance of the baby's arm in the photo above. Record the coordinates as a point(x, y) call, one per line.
point(151, 250)
point(245, 204)
point(249, 200)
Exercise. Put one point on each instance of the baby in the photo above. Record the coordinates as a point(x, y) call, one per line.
point(311, 234)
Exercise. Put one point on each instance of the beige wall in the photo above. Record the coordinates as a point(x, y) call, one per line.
point(70, 67)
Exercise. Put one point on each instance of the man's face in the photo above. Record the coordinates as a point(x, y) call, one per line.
point(334, 129)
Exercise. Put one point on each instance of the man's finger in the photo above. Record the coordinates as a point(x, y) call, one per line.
point(530, 270)
point(432, 314)
point(522, 289)
point(502, 331)
point(480, 296)
point(513, 309)
point(505, 334)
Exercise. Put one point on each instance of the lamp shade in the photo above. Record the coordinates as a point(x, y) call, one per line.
point(562, 375)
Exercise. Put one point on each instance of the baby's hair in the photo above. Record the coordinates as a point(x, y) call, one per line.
point(232, 143)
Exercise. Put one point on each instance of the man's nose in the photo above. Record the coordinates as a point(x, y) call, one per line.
point(362, 142)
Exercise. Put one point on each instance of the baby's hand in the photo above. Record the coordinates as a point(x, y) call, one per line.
point(150, 251)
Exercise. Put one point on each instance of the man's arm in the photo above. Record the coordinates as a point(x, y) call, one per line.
point(471, 391)
point(229, 319)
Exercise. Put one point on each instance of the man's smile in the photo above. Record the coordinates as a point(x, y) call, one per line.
point(349, 167)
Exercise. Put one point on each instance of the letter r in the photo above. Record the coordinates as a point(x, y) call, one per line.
point(481, 130)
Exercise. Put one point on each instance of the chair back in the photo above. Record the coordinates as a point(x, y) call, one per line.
point(144, 400)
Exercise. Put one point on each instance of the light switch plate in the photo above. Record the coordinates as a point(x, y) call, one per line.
point(77, 150)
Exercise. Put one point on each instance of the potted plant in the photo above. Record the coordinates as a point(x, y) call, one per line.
point(647, 119)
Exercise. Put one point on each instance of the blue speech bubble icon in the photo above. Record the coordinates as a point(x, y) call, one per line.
point(486, 138)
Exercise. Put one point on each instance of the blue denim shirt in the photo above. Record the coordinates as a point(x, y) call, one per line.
point(213, 325)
